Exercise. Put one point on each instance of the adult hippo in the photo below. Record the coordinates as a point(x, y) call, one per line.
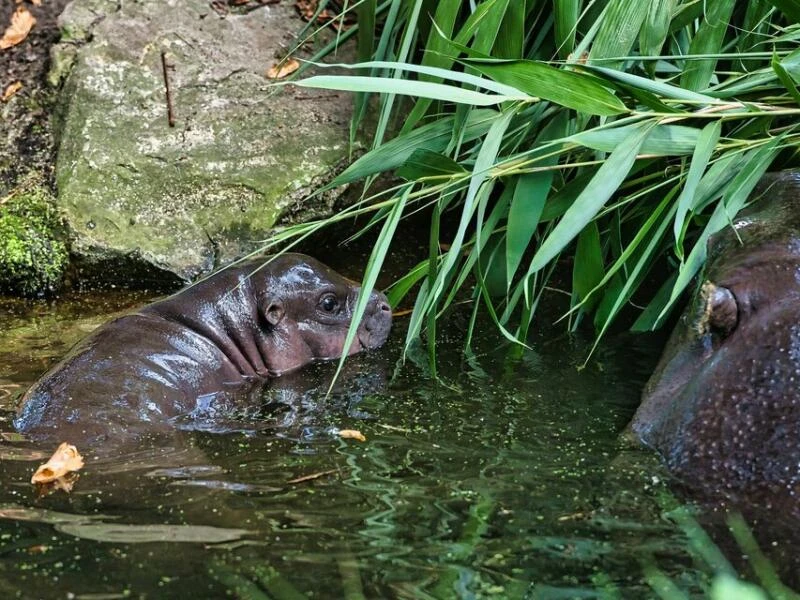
point(723, 406)
point(242, 325)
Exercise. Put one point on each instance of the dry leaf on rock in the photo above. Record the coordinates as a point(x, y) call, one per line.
point(352, 434)
point(284, 69)
point(21, 23)
point(65, 459)
point(10, 91)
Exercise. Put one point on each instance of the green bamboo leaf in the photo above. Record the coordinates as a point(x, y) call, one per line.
point(444, 22)
point(733, 199)
point(434, 136)
point(438, 52)
point(479, 241)
point(706, 144)
point(791, 64)
point(424, 163)
point(588, 268)
point(559, 202)
point(488, 28)
point(613, 298)
point(511, 35)
point(664, 140)
point(650, 315)
point(755, 29)
point(406, 87)
point(648, 100)
point(605, 182)
point(400, 288)
point(785, 79)
point(408, 36)
point(479, 188)
point(686, 14)
point(565, 25)
point(717, 177)
point(433, 73)
point(753, 83)
point(418, 313)
point(619, 28)
point(530, 195)
point(365, 13)
point(374, 264)
point(658, 88)
point(624, 293)
point(645, 232)
point(567, 88)
point(655, 28)
point(708, 40)
point(790, 8)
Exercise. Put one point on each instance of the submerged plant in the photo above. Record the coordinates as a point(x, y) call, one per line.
point(611, 135)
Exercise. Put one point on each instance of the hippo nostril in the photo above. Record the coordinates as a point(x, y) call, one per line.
point(385, 307)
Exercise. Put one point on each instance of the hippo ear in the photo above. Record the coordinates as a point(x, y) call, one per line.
point(721, 313)
point(274, 313)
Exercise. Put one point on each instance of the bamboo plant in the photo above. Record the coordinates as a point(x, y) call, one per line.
point(609, 136)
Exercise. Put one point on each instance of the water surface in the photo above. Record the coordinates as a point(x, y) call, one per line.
point(504, 479)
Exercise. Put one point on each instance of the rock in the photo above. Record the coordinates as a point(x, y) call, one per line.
point(141, 196)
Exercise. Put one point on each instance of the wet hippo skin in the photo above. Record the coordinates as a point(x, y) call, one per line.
point(723, 406)
point(242, 325)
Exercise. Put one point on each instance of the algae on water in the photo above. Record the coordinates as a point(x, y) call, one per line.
point(32, 257)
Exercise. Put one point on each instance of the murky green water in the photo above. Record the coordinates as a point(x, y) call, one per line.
point(505, 480)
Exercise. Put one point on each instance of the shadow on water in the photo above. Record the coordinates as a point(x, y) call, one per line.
point(506, 479)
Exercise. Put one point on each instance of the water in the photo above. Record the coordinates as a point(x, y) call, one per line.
point(505, 479)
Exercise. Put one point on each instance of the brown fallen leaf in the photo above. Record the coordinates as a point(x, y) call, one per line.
point(10, 91)
point(65, 459)
point(284, 69)
point(64, 484)
point(352, 434)
point(22, 21)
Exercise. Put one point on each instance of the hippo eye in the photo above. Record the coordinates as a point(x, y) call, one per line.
point(720, 311)
point(329, 303)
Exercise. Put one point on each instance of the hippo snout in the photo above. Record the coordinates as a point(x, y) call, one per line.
point(377, 321)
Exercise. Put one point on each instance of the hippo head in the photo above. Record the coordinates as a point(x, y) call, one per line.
point(307, 309)
point(723, 406)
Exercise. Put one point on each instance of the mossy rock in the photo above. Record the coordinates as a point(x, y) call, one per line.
point(139, 195)
point(32, 258)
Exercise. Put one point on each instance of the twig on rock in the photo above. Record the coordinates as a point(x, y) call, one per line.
point(166, 67)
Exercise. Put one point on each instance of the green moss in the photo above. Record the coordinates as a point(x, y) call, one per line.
point(32, 258)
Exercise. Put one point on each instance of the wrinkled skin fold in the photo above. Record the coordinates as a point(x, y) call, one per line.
point(136, 374)
point(723, 406)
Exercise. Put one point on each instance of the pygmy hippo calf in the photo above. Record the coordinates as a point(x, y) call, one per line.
point(723, 407)
point(240, 325)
